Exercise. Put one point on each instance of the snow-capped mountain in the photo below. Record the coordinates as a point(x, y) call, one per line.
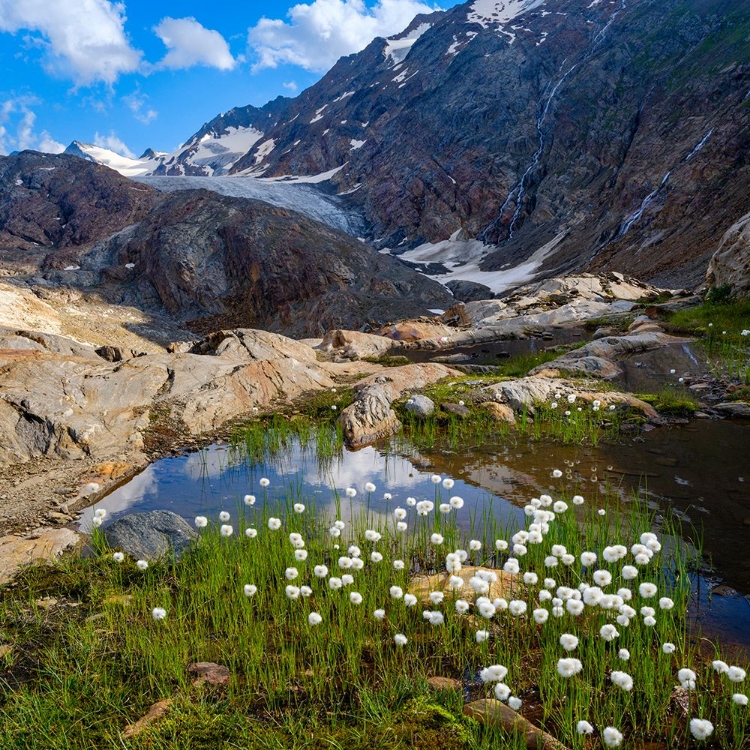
point(607, 134)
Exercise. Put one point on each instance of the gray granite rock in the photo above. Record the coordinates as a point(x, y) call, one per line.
point(151, 535)
point(420, 406)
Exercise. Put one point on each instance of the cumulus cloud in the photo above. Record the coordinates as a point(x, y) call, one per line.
point(189, 43)
point(83, 40)
point(17, 132)
point(113, 143)
point(320, 32)
point(290, 85)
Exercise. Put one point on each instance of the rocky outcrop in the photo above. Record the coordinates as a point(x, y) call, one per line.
point(41, 545)
point(371, 417)
point(355, 345)
point(730, 264)
point(72, 403)
point(52, 208)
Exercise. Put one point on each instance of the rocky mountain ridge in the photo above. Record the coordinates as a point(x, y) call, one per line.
point(193, 256)
point(617, 131)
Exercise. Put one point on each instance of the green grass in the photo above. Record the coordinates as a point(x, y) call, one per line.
point(81, 670)
point(389, 360)
point(669, 401)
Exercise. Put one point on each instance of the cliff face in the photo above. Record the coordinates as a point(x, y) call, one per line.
point(620, 128)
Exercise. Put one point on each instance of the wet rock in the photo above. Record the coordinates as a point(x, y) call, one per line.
point(734, 409)
point(39, 546)
point(157, 711)
point(723, 590)
point(151, 535)
point(457, 410)
point(420, 406)
point(496, 714)
point(209, 672)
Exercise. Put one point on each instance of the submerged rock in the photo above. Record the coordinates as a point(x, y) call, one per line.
point(151, 535)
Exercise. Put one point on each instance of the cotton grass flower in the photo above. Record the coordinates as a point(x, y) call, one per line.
point(701, 729)
point(300, 555)
point(436, 479)
point(274, 524)
point(568, 641)
point(118, 557)
point(456, 502)
point(250, 589)
point(398, 564)
point(291, 573)
point(720, 667)
point(379, 614)
point(335, 583)
point(314, 618)
point(608, 632)
point(583, 727)
point(502, 691)
point(569, 667)
point(320, 571)
point(647, 590)
point(411, 501)
point(425, 507)
point(436, 539)
point(556, 473)
point(623, 654)
point(396, 592)
point(436, 597)
point(530, 578)
point(400, 639)
point(299, 508)
point(292, 592)
point(602, 577)
point(622, 679)
point(740, 699)
point(668, 648)
point(448, 483)
point(629, 572)
point(305, 591)
point(475, 545)
point(736, 674)
point(249, 499)
point(264, 482)
point(355, 597)
point(347, 579)
point(501, 545)
point(141, 565)
point(540, 615)
point(410, 600)
point(445, 508)
point(201, 522)
point(251, 533)
point(351, 492)
point(399, 514)
point(495, 673)
point(612, 737)
point(376, 557)
point(574, 606)
point(515, 703)
point(687, 678)
point(369, 487)
point(158, 613)
point(401, 526)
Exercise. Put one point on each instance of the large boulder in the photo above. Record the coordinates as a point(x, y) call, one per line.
point(730, 264)
point(149, 536)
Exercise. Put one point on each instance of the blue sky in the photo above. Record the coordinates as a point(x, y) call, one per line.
point(135, 74)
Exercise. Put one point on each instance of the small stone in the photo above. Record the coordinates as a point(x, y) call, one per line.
point(462, 412)
point(420, 406)
point(46, 603)
point(156, 712)
point(723, 590)
point(443, 683)
point(500, 412)
point(210, 672)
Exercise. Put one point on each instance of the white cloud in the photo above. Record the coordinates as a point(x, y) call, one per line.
point(191, 44)
point(83, 40)
point(113, 143)
point(320, 32)
point(19, 135)
point(49, 145)
point(290, 85)
point(137, 104)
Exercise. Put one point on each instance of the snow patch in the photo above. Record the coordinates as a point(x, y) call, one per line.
point(463, 258)
point(396, 50)
point(319, 114)
point(355, 144)
point(499, 12)
point(264, 150)
point(343, 96)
